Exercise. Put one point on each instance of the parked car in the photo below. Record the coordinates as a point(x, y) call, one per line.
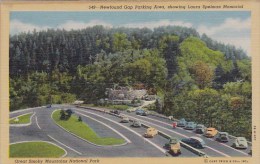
point(240, 143)
point(174, 146)
point(222, 137)
point(210, 132)
point(174, 124)
point(124, 119)
point(141, 112)
point(69, 111)
point(200, 129)
point(144, 113)
point(151, 132)
point(115, 112)
point(181, 123)
point(138, 111)
point(195, 142)
point(190, 126)
point(136, 124)
point(48, 106)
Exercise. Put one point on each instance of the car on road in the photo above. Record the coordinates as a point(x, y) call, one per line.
point(174, 146)
point(240, 143)
point(136, 124)
point(141, 112)
point(69, 111)
point(138, 111)
point(124, 119)
point(222, 137)
point(48, 106)
point(151, 132)
point(211, 132)
point(200, 129)
point(190, 126)
point(174, 124)
point(115, 112)
point(182, 122)
point(195, 142)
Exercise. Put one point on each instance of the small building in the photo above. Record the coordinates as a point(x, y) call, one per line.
point(125, 93)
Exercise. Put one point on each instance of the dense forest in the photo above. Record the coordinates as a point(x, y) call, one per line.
point(194, 76)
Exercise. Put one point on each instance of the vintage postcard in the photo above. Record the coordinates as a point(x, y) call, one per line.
point(129, 82)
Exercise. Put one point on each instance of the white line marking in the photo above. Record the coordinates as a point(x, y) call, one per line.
point(42, 141)
point(234, 149)
point(158, 147)
point(22, 110)
point(218, 151)
point(37, 122)
point(22, 125)
point(106, 126)
point(65, 145)
point(200, 135)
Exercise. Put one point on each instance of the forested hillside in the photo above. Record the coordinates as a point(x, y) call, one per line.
point(194, 76)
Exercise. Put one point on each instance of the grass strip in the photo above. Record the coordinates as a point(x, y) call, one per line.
point(23, 119)
point(82, 130)
point(35, 149)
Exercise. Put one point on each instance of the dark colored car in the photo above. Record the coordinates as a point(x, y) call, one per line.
point(190, 126)
point(138, 111)
point(181, 123)
point(115, 112)
point(69, 111)
point(194, 142)
point(222, 137)
point(141, 112)
point(48, 106)
point(144, 113)
point(200, 129)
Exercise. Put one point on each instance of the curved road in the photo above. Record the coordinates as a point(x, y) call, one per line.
point(106, 125)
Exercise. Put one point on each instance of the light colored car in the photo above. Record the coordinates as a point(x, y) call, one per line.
point(240, 143)
point(151, 132)
point(210, 132)
point(190, 126)
point(136, 124)
point(181, 123)
point(200, 129)
point(174, 146)
point(124, 120)
point(222, 137)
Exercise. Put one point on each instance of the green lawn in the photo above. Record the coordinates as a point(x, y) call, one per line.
point(82, 130)
point(118, 107)
point(24, 119)
point(35, 149)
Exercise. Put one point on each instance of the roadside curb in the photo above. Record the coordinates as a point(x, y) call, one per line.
point(83, 138)
point(22, 125)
